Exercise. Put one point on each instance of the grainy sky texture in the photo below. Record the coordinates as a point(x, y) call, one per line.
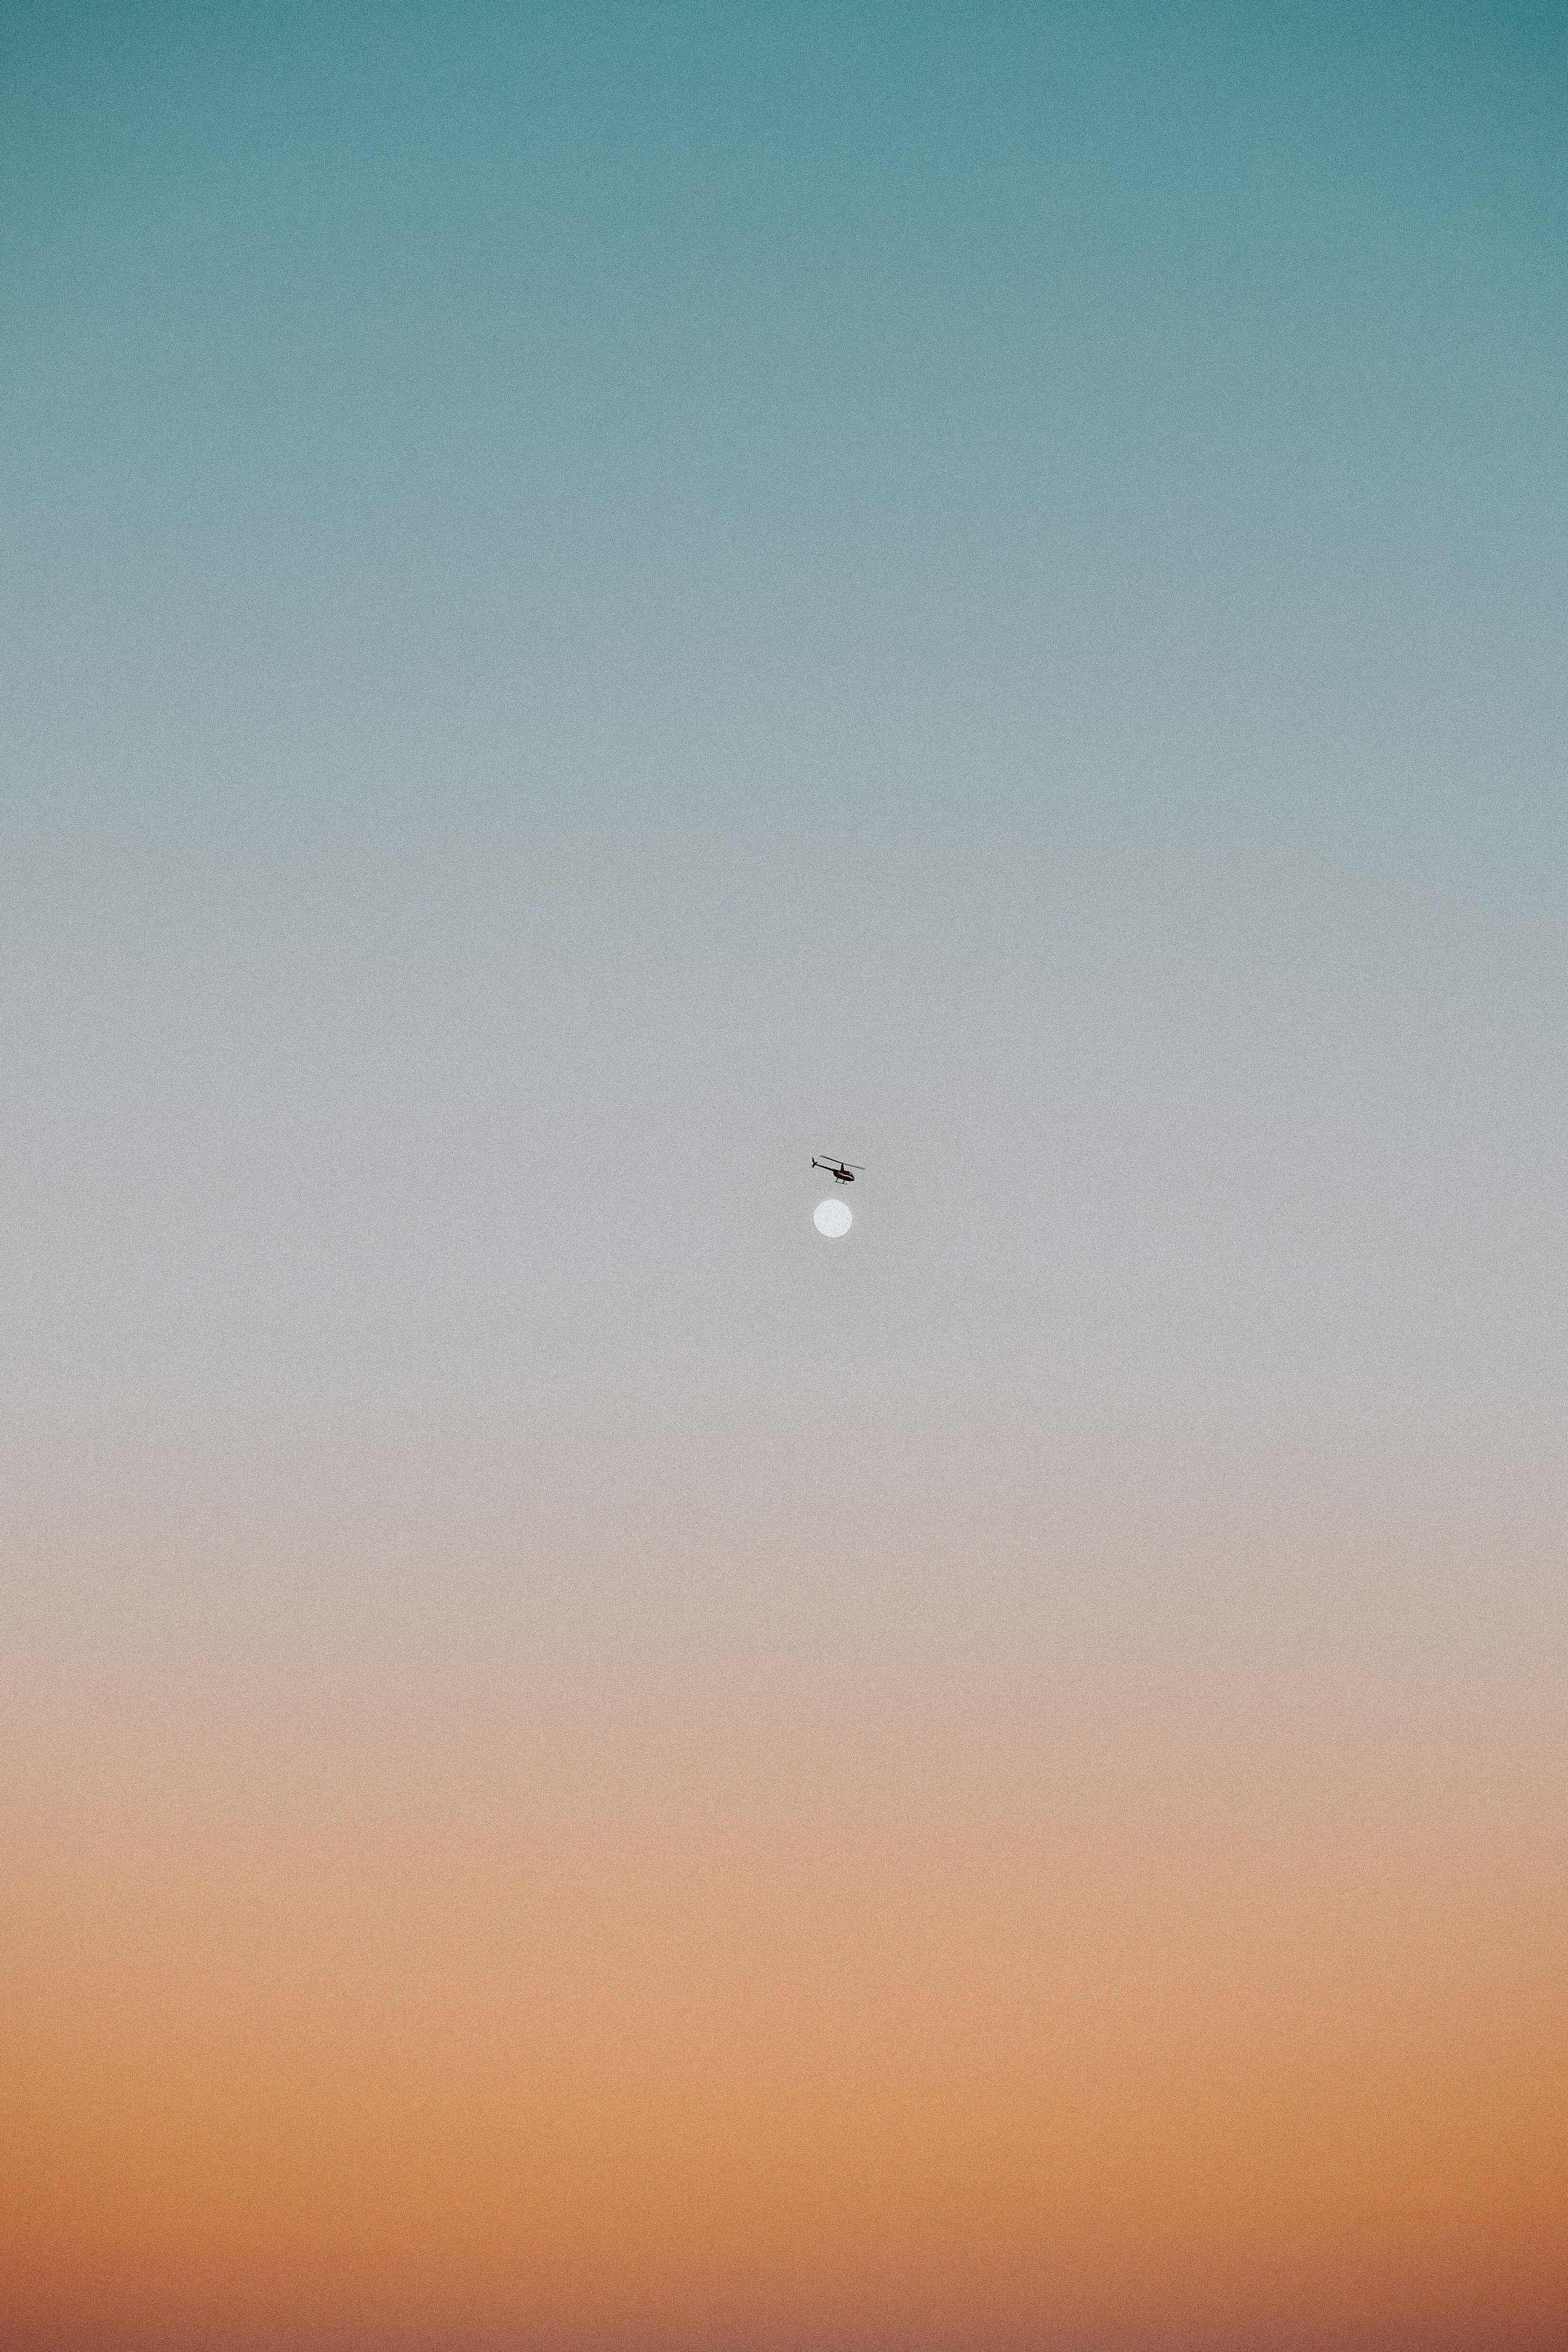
point(594, 600)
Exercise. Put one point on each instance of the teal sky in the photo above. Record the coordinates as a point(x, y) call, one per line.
point(595, 600)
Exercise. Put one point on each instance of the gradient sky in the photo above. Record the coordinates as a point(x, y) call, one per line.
point(594, 600)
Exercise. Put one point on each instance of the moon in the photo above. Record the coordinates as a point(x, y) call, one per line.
point(834, 1219)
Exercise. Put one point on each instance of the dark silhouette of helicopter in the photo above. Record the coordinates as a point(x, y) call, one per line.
point(843, 1171)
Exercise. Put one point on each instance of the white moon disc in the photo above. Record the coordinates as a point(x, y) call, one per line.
point(834, 1219)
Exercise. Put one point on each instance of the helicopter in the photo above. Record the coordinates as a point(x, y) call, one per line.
point(843, 1171)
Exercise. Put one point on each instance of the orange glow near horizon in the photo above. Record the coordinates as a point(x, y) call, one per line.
point(722, 2036)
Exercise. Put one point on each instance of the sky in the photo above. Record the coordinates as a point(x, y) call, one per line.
point(595, 601)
